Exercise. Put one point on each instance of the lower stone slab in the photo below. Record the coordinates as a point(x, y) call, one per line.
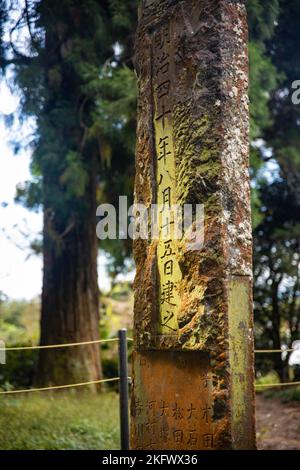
point(171, 405)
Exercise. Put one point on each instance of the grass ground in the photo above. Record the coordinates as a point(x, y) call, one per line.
point(284, 394)
point(59, 421)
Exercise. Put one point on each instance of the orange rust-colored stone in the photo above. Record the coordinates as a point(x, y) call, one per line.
point(173, 409)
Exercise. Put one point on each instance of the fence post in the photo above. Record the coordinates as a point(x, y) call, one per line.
point(2, 352)
point(124, 398)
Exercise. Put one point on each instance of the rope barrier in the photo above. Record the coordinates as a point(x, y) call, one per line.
point(55, 387)
point(276, 385)
point(115, 379)
point(62, 345)
point(99, 341)
point(109, 340)
point(258, 351)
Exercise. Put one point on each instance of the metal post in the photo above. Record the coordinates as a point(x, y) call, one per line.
point(124, 399)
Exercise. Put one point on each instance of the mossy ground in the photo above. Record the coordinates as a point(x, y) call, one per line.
point(58, 421)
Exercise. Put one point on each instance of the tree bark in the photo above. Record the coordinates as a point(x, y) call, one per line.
point(70, 299)
point(279, 366)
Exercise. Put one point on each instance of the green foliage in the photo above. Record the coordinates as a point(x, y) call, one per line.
point(288, 395)
point(19, 321)
point(267, 379)
point(121, 291)
point(19, 326)
point(116, 313)
point(58, 421)
point(76, 79)
point(75, 177)
point(257, 216)
point(124, 14)
point(285, 394)
point(262, 18)
point(29, 193)
point(118, 109)
point(263, 79)
point(20, 368)
point(277, 271)
point(263, 75)
point(274, 64)
point(283, 136)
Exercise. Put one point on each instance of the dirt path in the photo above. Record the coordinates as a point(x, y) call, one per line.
point(277, 424)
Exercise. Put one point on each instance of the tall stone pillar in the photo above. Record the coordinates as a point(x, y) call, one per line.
point(193, 358)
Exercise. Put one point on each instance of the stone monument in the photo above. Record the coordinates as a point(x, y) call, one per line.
point(193, 358)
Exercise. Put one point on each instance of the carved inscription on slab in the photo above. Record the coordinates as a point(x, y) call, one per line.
point(167, 249)
point(175, 410)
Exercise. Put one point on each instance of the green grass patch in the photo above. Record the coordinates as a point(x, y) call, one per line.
point(270, 378)
point(285, 394)
point(60, 421)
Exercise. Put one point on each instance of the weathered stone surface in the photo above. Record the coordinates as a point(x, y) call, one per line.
point(199, 104)
point(173, 409)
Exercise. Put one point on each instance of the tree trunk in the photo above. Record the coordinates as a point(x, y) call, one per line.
point(278, 363)
point(277, 360)
point(70, 298)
